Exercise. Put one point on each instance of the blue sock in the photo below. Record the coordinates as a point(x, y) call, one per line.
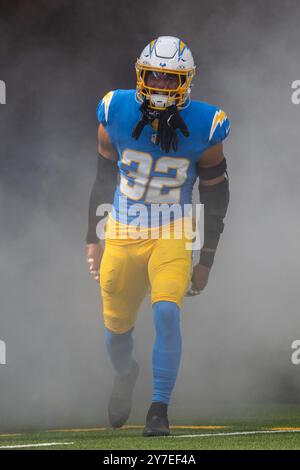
point(119, 348)
point(166, 351)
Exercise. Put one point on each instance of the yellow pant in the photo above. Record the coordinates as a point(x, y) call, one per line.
point(129, 267)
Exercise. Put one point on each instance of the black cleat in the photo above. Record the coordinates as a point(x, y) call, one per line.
point(157, 423)
point(120, 401)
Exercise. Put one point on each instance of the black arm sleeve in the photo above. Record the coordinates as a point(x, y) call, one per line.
point(216, 200)
point(102, 193)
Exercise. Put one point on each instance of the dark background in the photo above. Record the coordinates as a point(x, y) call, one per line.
point(58, 58)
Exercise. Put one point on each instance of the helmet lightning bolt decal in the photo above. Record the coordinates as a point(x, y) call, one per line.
point(219, 118)
point(152, 45)
point(181, 48)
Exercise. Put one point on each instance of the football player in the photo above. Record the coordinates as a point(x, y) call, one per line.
point(154, 143)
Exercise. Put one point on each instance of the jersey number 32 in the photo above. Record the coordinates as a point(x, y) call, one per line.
point(138, 181)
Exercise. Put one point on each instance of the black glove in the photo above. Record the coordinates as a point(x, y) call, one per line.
point(169, 121)
point(148, 115)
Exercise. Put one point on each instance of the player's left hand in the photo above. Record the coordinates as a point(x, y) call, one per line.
point(199, 280)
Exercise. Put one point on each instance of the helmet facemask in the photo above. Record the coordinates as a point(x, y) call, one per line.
point(161, 98)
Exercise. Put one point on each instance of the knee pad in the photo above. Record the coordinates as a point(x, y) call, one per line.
point(169, 286)
point(171, 283)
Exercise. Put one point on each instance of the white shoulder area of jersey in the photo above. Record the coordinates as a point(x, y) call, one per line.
point(219, 118)
point(106, 100)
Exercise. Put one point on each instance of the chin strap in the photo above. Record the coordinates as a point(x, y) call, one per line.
point(169, 121)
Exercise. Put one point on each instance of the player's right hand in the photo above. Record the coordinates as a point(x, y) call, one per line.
point(94, 252)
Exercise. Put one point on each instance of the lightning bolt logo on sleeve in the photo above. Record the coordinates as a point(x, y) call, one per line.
point(219, 118)
point(106, 101)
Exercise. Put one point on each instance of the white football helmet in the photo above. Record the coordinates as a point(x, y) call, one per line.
point(169, 55)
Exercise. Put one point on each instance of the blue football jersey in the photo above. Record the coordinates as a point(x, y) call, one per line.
point(147, 175)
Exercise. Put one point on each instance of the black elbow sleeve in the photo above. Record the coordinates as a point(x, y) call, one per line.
point(215, 199)
point(102, 193)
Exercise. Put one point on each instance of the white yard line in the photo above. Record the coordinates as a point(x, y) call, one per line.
point(44, 444)
point(242, 433)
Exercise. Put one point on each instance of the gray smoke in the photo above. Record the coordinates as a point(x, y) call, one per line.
point(57, 63)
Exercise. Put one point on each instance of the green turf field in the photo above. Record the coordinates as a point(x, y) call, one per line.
point(274, 428)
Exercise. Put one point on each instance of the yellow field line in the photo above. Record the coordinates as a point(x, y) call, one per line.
point(133, 426)
point(77, 430)
point(179, 427)
point(224, 434)
point(108, 428)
